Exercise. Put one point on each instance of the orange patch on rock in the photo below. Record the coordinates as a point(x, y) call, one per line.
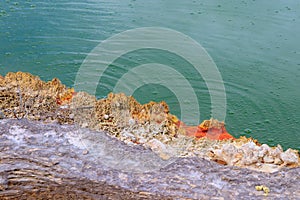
point(211, 129)
point(65, 98)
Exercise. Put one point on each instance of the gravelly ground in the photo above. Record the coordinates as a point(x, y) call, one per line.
point(62, 161)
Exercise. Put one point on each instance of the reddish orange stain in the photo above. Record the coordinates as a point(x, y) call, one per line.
point(200, 132)
point(65, 97)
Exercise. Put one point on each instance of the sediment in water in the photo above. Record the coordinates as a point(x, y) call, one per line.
point(151, 125)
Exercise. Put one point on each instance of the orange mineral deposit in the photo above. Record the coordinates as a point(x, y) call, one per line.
point(212, 129)
point(65, 97)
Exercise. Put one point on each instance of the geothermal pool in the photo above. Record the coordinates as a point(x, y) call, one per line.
point(255, 46)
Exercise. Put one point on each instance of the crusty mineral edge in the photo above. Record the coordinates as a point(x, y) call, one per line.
point(151, 125)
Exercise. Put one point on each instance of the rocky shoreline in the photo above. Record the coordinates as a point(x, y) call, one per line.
point(151, 125)
point(129, 150)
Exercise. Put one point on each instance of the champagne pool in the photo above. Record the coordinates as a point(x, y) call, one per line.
point(255, 45)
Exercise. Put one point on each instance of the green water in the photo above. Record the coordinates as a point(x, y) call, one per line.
point(255, 44)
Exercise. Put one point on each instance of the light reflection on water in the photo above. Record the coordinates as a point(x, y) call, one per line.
point(255, 45)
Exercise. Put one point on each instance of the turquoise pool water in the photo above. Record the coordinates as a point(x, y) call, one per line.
point(255, 45)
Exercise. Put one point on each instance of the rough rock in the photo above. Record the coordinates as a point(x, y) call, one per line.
point(52, 161)
point(23, 95)
point(150, 125)
point(254, 156)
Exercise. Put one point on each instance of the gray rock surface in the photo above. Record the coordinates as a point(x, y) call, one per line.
point(51, 161)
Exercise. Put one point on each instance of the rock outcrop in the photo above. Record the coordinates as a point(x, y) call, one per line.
point(151, 125)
